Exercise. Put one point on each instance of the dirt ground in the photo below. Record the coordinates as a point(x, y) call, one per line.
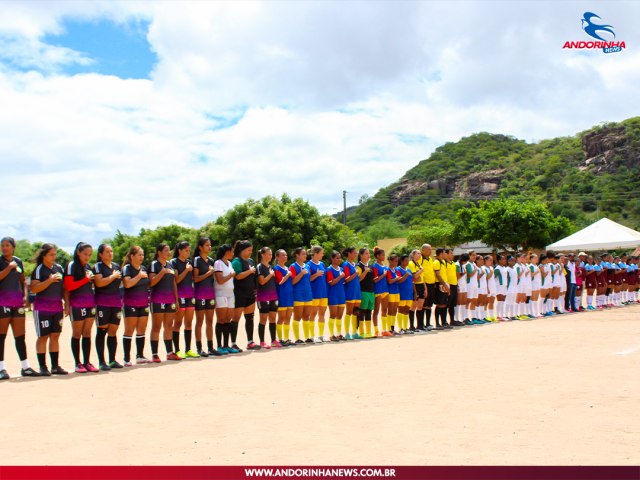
point(564, 390)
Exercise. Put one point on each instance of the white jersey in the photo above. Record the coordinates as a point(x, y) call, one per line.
point(462, 281)
point(500, 278)
point(482, 280)
point(491, 281)
point(512, 280)
point(225, 289)
point(535, 274)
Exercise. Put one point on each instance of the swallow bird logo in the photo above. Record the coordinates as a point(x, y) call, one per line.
point(591, 28)
point(608, 44)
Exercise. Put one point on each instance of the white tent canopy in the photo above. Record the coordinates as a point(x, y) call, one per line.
point(604, 234)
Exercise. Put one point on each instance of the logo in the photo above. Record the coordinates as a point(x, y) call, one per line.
point(118, 315)
point(212, 302)
point(21, 311)
point(604, 35)
point(93, 311)
point(146, 310)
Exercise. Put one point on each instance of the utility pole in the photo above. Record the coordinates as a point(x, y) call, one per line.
point(344, 211)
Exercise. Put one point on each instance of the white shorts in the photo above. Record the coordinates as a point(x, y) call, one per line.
point(520, 287)
point(536, 283)
point(527, 288)
point(563, 286)
point(225, 301)
point(462, 286)
point(501, 289)
point(482, 290)
point(491, 288)
point(472, 290)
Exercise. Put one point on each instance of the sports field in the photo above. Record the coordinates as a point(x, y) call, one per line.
point(564, 390)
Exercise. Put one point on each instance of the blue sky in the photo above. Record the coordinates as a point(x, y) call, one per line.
point(122, 115)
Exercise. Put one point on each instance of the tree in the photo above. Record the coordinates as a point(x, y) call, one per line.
point(279, 223)
point(438, 233)
point(384, 228)
point(509, 223)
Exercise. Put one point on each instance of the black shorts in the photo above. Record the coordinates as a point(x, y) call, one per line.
point(267, 307)
point(81, 314)
point(420, 291)
point(47, 323)
point(163, 308)
point(244, 300)
point(431, 295)
point(453, 296)
point(11, 312)
point(108, 316)
point(186, 303)
point(135, 312)
point(205, 304)
point(440, 298)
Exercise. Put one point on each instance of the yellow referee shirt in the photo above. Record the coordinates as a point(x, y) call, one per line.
point(413, 268)
point(452, 273)
point(427, 276)
point(440, 266)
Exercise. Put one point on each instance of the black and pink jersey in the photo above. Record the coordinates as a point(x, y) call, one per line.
point(185, 287)
point(163, 291)
point(108, 296)
point(82, 297)
point(204, 290)
point(11, 291)
point(49, 299)
point(138, 295)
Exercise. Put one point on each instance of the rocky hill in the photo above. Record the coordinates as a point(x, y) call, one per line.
point(593, 173)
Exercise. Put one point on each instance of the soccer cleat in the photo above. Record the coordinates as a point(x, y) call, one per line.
point(155, 358)
point(44, 372)
point(214, 353)
point(142, 361)
point(317, 340)
point(252, 346)
point(309, 340)
point(172, 356)
point(203, 354)
point(222, 351)
point(90, 368)
point(104, 367)
point(236, 347)
point(80, 368)
point(115, 364)
point(276, 344)
point(299, 342)
point(29, 372)
point(333, 338)
point(233, 349)
point(191, 354)
point(58, 371)
point(349, 337)
point(128, 363)
point(181, 355)
point(4, 375)
point(265, 345)
point(387, 334)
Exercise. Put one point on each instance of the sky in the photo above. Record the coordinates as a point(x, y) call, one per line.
point(123, 115)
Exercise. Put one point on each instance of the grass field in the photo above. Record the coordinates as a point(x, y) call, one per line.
point(563, 390)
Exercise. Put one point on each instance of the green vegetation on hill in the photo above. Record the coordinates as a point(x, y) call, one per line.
point(592, 174)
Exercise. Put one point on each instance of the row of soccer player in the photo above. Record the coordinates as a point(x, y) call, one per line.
point(364, 299)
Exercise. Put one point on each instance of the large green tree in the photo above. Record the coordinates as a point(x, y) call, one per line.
point(511, 223)
point(279, 223)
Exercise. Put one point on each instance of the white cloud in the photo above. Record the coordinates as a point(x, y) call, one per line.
point(256, 98)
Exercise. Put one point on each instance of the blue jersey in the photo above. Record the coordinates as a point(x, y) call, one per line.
point(381, 286)
point(302, 289)
point(406, 287)
point(394, 288)
point(285, 291)
point(335, 292)
point(319, 284)
point(352, 288)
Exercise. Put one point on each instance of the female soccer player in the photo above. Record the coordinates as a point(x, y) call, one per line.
point(203, 279)
point(107, 280)
point(78, 284)
point(164, 300)
point(590, 281)
point(535, 286)
point(461, 270)
point(417, 308)
point(284, 288)
point(512, 289)
point(472, 288)
point(545, 284)
point(394, 296)
point(405, 287)
point(367, 288)
point(351, 293)
point(244, 289)
point(381, 293)
point(225, 300)
point(491, 288)
point(500, 278)
point(183, 268)
point(318, 291)
point(267, 298)
point(302, 296)
point(336, 296)
point(47, 285)
point(14, 298)
point(136, 304)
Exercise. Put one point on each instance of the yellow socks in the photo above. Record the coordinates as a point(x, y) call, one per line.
point(296, 329)
point(338, 322)
point(280, 330)
point(332, 326)
point(287, 330)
